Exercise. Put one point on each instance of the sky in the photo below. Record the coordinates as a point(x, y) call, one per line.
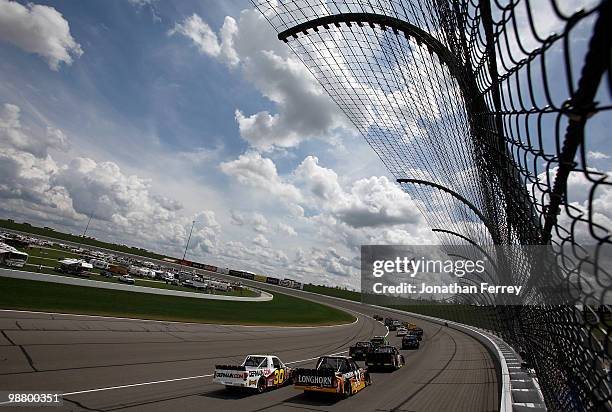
point(148, 115)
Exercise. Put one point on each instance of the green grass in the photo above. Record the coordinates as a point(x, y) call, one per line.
point(53, 297)
point(335, 292)
point(48, 232)
point(55, 254)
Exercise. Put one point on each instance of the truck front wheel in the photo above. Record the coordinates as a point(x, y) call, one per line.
point(347, 389)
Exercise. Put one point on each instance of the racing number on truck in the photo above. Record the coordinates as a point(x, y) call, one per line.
point(279, 376)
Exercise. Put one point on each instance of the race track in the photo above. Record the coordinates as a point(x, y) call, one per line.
point(450, 372)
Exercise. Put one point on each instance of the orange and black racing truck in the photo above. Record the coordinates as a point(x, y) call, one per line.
point(333, 374)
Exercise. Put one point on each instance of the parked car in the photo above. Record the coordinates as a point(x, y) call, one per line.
point(127, 279)
point(106, 274)
point(188, 283)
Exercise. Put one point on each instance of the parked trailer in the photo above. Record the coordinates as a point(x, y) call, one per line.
point(74, 267)
point(237, 273)
point(9, 256)
point(242, 274)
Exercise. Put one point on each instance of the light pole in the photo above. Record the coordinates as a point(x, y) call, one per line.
point(188, 239)
point(88, 222)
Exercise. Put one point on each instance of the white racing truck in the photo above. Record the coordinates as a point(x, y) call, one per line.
point(257, 372)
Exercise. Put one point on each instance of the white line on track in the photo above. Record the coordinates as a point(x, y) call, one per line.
point(110, 388)
point(180, 323)
point(132, 385)
point(173, 380)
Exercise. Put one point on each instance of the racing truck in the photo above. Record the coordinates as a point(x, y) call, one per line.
point(360, 350)
point(257, 372)
point(410, 341)
point(333, 374)
point(418, 332)
point(394, 325)
point(414, 328)
point(385, 357)
point(377, 341)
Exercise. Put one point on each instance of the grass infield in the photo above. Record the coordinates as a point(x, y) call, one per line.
point(283, 310)
point(335, 292)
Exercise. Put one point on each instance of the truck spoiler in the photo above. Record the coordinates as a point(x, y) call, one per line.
point(314, 378)
point(231, 367)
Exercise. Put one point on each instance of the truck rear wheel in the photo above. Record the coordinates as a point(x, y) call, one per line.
point(261, 386)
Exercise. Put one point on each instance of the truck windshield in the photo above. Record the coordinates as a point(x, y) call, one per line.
point(337, 364)
point(255, 361)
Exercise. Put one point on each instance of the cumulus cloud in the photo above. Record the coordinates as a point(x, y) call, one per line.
point(370, 202)
point(286, 229)
point(35, 186)
point(256, 220)
point(251, 169)
point(304, 111)
point(321, 182)
point(13, 135)
point(206, 40)
point(261, 240)
point(372, 210)
point(38, 29)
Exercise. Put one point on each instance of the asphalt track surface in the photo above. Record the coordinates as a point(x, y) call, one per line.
point(84, 356)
